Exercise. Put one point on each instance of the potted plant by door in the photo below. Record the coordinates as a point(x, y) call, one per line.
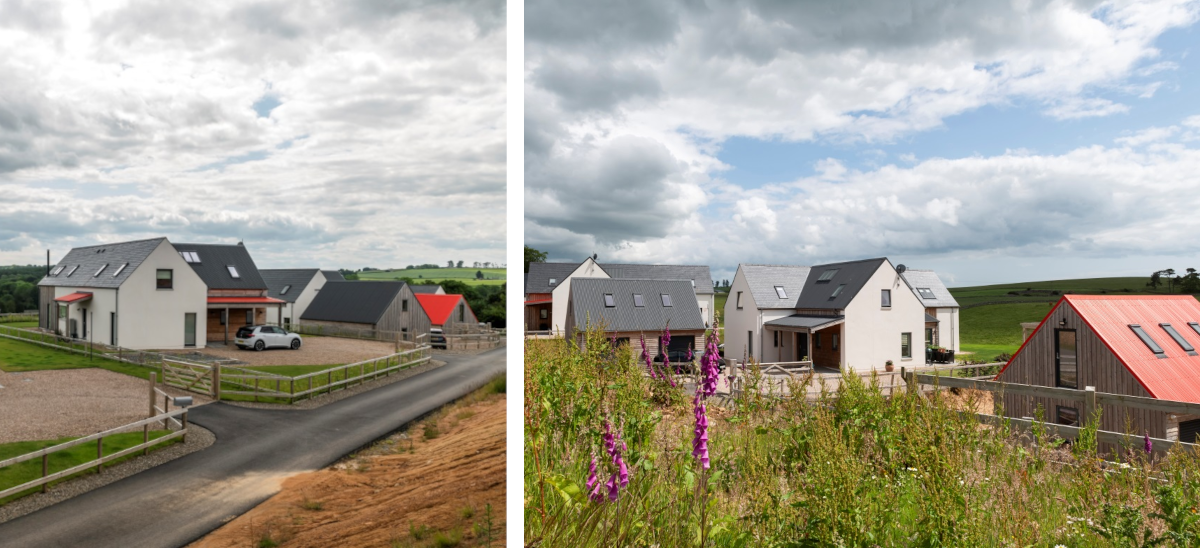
point(889, 367)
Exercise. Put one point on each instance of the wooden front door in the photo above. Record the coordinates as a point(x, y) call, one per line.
point(1066, 359)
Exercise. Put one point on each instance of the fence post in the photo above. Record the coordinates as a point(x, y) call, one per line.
point(216, 381)
point(1089, 405)
point(99, 453)
point(166, 408)
point(183, 438)
point(45, 469)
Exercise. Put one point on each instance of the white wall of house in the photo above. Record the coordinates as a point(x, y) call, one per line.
point(152, 318)
point(98, 310)
point(948, 328)
point(562, 293)
point(706, 303)
point(738, 321)
point(294, 311)
point(872, 333)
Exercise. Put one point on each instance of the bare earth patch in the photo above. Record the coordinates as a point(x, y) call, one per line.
point(404, 484)
point(42, 405)
point(314, 351)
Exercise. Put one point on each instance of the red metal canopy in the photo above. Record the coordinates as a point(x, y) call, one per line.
point(244, 300)
point(74, 297)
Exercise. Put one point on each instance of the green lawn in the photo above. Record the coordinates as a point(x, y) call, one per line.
point(20, 324)
point(1091, 286)
point(17, 356)
point(492, 276)
point(32, 469)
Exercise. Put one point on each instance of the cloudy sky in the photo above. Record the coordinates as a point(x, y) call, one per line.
point(332, 134)
point(992, 141)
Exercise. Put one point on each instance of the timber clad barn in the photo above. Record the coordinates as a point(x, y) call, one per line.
point(1136, 345)
point(366, 306)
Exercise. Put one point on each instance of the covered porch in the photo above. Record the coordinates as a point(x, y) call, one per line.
point(227, 314)
point(805, 338)
point(68, 326)
point(538, 314)
point(934, 353)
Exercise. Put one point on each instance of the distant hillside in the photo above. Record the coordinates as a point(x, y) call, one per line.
point(491, 276)
point(1052, 290)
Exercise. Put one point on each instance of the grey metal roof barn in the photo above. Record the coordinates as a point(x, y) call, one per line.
point(763, 278)
point(588, 304)
point(353, 302)
point(80, 265)
point(294, 279)
point(849, 276)
point(928, 279)
point(214, 263)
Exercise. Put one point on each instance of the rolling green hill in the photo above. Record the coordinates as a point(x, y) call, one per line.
point(492, 276)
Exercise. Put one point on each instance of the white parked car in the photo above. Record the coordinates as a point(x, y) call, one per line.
point(262, 337)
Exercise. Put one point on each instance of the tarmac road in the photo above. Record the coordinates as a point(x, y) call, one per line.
point(178, 502)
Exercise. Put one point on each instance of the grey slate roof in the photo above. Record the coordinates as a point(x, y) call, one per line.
point(333, 276)
point(90, 259)
point(810, 321)
point(353, 302)
point(853, 274)
point(929, 318)
point(697, 273)
point(427, 288)
point(213, 261)
point(297, 278)
point(928, 278)
point(587, 304)
point(537, 280)
point(763, 278)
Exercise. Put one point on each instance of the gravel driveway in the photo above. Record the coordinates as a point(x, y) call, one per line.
point(314, 351)
point(42, 405)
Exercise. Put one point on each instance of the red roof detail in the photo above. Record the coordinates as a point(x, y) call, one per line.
point(244, 300)
point(74, 297)
point(438, 307)
point(1176, 377)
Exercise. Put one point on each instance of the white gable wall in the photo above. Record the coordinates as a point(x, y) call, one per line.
point(871, 334)
point(948, 328)
point(152, 318)
point(562, 293)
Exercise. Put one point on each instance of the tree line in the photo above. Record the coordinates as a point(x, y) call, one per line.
point(18, 288)
point(1187, 283)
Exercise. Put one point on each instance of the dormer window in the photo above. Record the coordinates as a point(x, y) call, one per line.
point(779, 292)
point(1149, 342)
point(97, 274)
point(926, 293)
point(233, 271)
point(637, 300)
point(827, 275)
point(72, 271)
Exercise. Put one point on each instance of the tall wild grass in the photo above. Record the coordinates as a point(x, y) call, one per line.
point(853, 468)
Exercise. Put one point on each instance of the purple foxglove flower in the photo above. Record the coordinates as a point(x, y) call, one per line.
point(646, 357)
point(613, 488)
point(623, 473)
point(1149, 446)
point(700, 440)
point(689, 357)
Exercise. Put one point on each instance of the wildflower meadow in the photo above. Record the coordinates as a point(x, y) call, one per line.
point(621, 450)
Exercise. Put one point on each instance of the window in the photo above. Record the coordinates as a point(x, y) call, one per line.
point(779, 292)
point(637, 300)
point(285, 290)
point(553, 281)
point(1068, 416)
point(666, 299)
point(739, 304)
point(776, 333)
point(120, 270)
point(817, 340)
point(462, 312)
point(190, 256)
point(885, 298)
point(906, 345)
point(233, 271)
point(835, 341)
point(609, 302)
point(250, 317)
point(1145, 337)
point(750, 343)
point(1187, 347)
point(827, 275)
point(165, 278)
point(929, 337)
point(1195, 327)
point(62, 310)
point(837, 291)
point(926, 293)
point(58, 270)
point(693, 284)
point(1066, 359)
point(97, 274)
point(543, 313)
point(72, 271)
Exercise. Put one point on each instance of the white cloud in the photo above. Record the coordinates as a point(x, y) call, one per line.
point(386, 147)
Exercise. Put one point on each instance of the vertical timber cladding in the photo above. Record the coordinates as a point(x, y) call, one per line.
point(395, 318)
point(826, 355)
point(1097, 366)
point(48, 315)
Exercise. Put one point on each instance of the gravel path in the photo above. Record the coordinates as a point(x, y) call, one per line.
point(325, 399)
point(43, 405)
point(198, 438)
point(314, 351)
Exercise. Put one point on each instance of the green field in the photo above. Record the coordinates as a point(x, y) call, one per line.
point(492, 276)
point(17, 356)
point(32, 469)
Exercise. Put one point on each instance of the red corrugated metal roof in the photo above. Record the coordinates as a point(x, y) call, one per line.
point(438, 307)
point(1175, 377)
point(244, 300)
point(74, 297)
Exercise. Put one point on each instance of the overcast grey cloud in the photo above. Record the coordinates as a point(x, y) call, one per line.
point(335, 134)
point(630, 105)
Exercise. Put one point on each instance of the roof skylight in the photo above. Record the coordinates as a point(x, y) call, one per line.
point(608, 301)
point(637, 300)
point(837, 291)
point(72, 271)
point(285, 290)
point(780, 292)
point(101, 270)
point(233, 271)
point(58, 270)
point(1149, 342)
point(553, 281)
point(926, 293)
point(828, 275)
point(190, 256)
point(120, 270)
point(666, 299)
point(1186, 346)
